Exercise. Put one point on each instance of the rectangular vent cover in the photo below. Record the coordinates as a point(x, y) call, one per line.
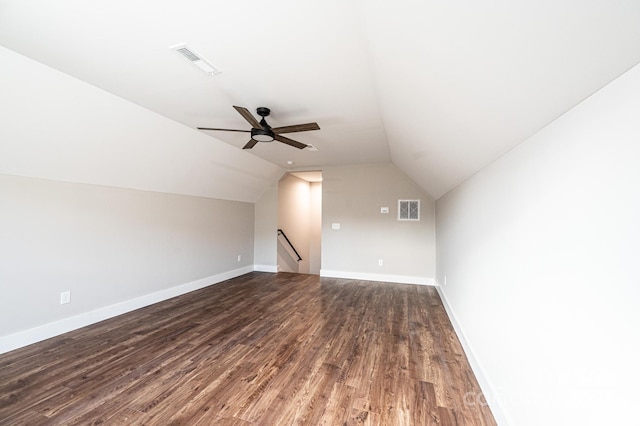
point(409, 210)
point(196, 59)
point(189, 54)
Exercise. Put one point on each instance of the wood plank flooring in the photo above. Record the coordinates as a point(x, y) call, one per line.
point(261, 349)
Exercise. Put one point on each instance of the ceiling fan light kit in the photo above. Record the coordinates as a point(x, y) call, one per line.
point(261, 131)
point(262, 135)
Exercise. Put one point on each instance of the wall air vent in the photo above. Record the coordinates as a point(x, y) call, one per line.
point(409, 210)
point(196, 59)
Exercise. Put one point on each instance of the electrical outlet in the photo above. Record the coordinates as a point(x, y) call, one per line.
point(239, 257)
point(380, 262)
point(65, 297)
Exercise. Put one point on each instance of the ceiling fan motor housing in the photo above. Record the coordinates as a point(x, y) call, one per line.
point(265, 134)
point(263, 111)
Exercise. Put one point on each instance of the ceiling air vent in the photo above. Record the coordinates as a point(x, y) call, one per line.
point(188, 54)
point(196, 59)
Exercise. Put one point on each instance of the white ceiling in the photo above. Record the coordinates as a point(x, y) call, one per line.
point(311, 176)
point(440, 88)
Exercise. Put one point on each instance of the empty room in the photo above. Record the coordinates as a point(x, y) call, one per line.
point(319, 213)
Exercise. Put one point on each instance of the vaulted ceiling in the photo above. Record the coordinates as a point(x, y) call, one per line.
point(440, 88)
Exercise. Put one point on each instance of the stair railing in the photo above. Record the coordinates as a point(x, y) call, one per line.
point(281, 232)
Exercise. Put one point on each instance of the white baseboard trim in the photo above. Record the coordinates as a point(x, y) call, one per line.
point(492, 397)
point(403, 279)
point(56, 328)
point(265, 268)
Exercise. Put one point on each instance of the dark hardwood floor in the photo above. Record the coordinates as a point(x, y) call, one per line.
point(261, 349)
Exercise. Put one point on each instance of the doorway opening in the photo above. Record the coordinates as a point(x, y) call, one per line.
point(300, 222)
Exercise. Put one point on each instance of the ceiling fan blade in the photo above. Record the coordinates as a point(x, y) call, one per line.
point(250, 144)
point(224, 130)
point(291, 142)
point(296, 128)
point(248, 116)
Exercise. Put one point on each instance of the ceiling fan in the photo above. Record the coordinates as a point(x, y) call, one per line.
point(262, 132)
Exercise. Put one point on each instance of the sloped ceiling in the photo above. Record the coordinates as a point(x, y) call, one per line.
point(439, 88)
point(57, 127)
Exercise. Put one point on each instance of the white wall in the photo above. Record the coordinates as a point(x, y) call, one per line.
point(539, 252)
point(115, 249)
point(352, 196)
point(266, 228)
point(315, 228)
